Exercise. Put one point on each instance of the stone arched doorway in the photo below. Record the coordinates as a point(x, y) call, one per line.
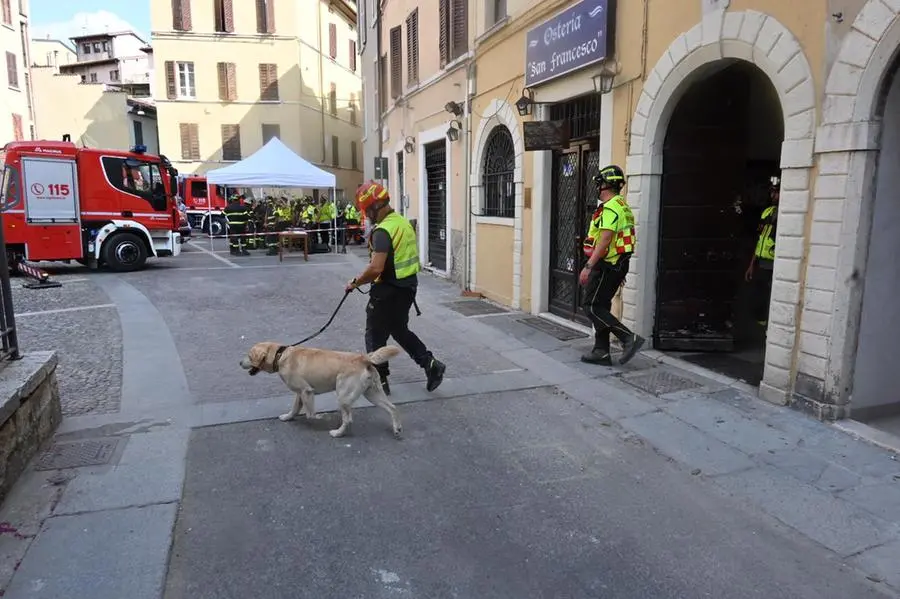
point(760, 39)
point(852, 240)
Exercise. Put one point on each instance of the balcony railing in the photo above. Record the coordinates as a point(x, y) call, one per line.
point(9, 341)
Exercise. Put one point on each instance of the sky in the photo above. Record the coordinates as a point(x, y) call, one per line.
point(61, 19)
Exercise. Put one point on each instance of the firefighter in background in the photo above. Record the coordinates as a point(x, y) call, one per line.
point(393, 264)
point(609, 245)
point(351, 219)
point(237, 213)
point(326, 216)
point(762, 263)
point(271, 226)
point(310, 215)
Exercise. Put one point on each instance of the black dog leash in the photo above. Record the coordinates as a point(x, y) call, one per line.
point(330, 320)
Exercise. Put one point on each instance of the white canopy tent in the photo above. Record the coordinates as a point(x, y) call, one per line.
point(276, 165)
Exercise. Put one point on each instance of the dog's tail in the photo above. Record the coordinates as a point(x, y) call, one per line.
point(381, 356)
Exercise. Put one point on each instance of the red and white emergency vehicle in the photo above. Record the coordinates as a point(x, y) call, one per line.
point(98, 207)
point(204, 204)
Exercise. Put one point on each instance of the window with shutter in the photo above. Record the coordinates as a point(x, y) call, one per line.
point(181, 15)
point(265, 16)
point(227, 81)
point(459, 28)
point(412, 47)
point(354, 158)
point(495, 12)
point(335, 151)
point(224, 16)
point(396, 62)
point(190, 141)
point(332, 99)
point(268, 82)
point(382, 83)
point(332, 40)
point(12, 70)
point(7, 12)
point(231, 142)
point(269, 131)
point(353, 55)
point(444, 31)
point(171, 89)
point(18, 132)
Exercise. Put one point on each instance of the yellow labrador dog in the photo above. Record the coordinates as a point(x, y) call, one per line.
point(308, 371)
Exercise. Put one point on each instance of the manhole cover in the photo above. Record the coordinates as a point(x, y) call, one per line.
point(554, 330)
point(660, 382)
point(474, 308)
point(77, 454)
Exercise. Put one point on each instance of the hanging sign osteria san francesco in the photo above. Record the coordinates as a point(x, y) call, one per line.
point(577, 37)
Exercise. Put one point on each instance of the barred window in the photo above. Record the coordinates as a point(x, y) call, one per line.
point(497, 172)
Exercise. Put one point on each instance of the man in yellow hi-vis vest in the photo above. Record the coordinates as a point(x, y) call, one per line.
point(762, 263)
point(608, 247)
point(392, 271)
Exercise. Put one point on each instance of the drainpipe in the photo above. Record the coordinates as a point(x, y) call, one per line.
point(321, 78)
point(467, 189)
point(380, 87)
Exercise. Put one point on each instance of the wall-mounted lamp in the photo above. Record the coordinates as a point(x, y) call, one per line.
point(603, 80)
point(524, 104)
point(453, 131)
point(410, 145)
point(454, 108)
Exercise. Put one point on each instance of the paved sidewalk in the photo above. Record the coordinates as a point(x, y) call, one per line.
point(105, 531)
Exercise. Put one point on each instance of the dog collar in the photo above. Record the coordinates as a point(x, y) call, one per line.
point(278, 353)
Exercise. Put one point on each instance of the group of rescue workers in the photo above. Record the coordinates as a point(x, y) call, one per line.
point(608, 247)
point(255, 224)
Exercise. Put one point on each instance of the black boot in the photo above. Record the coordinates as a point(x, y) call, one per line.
point(235, 252)
point(631, 345)
point(597, 356)
point(435, 372)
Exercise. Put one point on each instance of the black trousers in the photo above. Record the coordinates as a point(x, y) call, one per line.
point(387, 315)
point(234, 242)
point(761, 289)
point(596, 301)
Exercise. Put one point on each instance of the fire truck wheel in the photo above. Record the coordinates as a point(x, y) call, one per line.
point(124, 252)
point(217, 227)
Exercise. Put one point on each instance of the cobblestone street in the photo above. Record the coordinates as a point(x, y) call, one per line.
point(527, 474)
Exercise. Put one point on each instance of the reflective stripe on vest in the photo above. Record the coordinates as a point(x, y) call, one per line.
point(403, 240)
point(625, 237)
point(765, 245)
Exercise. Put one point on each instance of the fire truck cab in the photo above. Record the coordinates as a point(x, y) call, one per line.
point(205, 204)
point(97, 207)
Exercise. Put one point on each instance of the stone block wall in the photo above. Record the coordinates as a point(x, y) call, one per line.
point(29, 414)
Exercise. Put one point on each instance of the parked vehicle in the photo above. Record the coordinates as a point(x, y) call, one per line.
point(97, 207)
point(205, 204)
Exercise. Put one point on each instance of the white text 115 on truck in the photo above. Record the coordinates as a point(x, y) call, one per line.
point(98, 207)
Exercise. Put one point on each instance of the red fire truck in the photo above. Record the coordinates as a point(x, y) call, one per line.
point(205, 204)
point(97, 207)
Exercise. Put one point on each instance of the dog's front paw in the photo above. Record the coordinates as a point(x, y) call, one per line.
point(286, 417)
point(398, 432)
point(336, 433)
point(314, 417)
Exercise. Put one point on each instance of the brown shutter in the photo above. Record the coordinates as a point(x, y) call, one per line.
point(412, 47)
point(396, 62)
point(18, 134)
point(354, 159)
point(268, 82)
point(353, 55)
point(444, 28)
point(231, 142)
point(382, 83)
point(12, 70)
point(265, 16)
point(7, 12)
point(332, 40)
point(231, 74)
point(171, 88)
point(459, 40)
point(332, 100)
point(335, 151)
point(228, 10)
point(190, 141)
point(222, 72)
point(181, 15)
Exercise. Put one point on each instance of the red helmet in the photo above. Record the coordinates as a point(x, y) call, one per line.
point(370, 193)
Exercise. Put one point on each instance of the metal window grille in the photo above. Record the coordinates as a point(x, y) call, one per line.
point(498, 173)
point(583, 115)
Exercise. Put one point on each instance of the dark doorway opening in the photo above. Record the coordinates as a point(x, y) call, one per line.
point(436, 175)
point(722, 144)
point(573, 199)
